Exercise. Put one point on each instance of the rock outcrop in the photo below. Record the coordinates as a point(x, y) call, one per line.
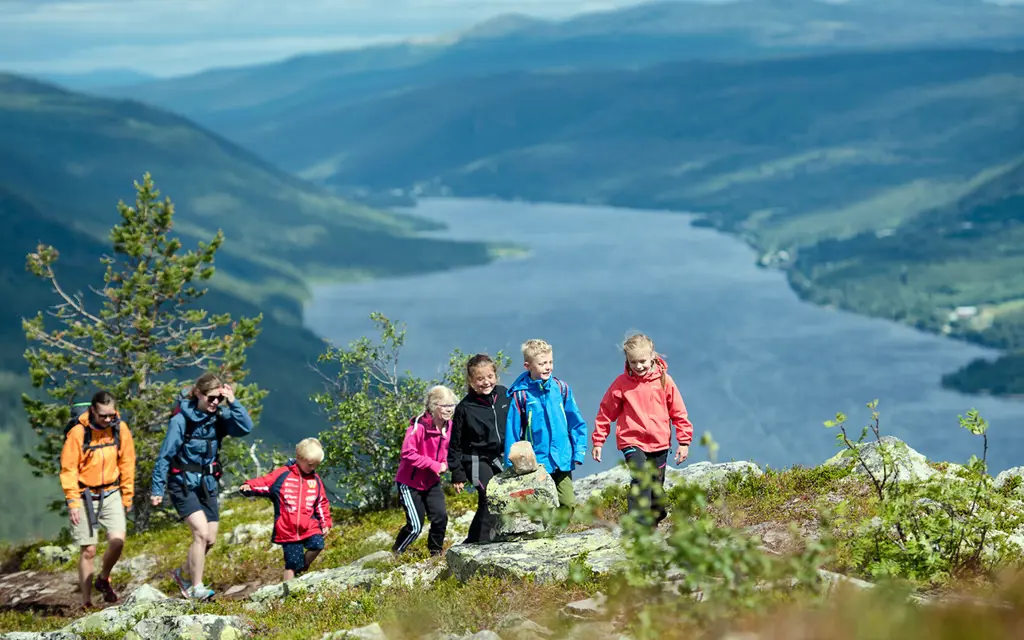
point(907, 466)
point(192, 627)
point(524, 485)
point(702, 474)
point(545, 559)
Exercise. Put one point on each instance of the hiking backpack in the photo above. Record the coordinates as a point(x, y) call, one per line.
point(520, 397)
point(190, 429)
point(77, 410)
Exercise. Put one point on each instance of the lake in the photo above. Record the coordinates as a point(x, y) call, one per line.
point(757, 367)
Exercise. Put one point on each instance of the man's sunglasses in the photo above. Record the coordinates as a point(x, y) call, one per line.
point(106, 417)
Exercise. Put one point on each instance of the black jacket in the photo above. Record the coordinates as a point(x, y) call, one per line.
point(478, 429)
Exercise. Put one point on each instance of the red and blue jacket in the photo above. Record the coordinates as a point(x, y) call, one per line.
point(301, 507)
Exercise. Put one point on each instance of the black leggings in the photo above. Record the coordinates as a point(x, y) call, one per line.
point(653, 496)
point(480, 471)
point(417, 503)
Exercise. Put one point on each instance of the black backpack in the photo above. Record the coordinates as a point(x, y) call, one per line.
point(77, 410)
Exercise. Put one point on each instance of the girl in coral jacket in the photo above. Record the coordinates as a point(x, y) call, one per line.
point(644, 403)
point(424, 459)
point(302, 511)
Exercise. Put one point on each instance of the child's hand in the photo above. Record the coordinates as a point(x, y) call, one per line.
point(326, 530)
point(244, 488)
point(596, 454)
point(682, 453)
point(444, 467)
point(458, 486)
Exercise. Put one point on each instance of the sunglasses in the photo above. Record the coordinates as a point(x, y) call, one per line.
point(212, 399)
point(106, 417)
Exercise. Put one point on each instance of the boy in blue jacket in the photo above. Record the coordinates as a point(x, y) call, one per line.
point(543, 411)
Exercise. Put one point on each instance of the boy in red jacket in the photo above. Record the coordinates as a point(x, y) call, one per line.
point(302, 512)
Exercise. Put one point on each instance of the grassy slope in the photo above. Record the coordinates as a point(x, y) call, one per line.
point(65, 161)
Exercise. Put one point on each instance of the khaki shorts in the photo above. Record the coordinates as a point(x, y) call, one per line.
point(111, 518)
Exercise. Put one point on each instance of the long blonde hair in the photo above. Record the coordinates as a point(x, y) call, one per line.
point(639, 343)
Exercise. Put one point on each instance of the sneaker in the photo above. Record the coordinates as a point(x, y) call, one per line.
point(199, 592)
point(103, 586)
point(184, 584)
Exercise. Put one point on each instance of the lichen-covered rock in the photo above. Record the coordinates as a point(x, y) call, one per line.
point(507, 493)
point(119, 619)
point(145, 593)
point(346, 577)
point(39, 635)
point(907, 465)
point(54, 555)
point(408, 575)
point(1012, 473)
point(195, 627)
point(369, 632)
point(546, 559)
point(704, 474)
point(251, 532)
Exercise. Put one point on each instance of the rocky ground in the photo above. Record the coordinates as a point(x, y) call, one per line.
point(517, 588)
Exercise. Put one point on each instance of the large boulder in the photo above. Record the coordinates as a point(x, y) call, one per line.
point(195, 627)
point(545, 559)
point(907, 465)
point(1011, 474)
point(144, 603)
point(704, 474)
point(508, 494)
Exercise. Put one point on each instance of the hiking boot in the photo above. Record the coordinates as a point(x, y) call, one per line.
point(199, 592)
point(103, 586)
point(184, 584)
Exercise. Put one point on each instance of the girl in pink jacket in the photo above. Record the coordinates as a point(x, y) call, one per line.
point(424, 459)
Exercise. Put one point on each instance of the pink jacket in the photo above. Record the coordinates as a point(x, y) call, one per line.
point(424, 450)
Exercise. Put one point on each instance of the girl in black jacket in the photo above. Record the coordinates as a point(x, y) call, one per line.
point(478, 439)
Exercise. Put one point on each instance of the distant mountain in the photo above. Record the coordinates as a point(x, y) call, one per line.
point(100, 78)
point(65, 161)
point(248, 102)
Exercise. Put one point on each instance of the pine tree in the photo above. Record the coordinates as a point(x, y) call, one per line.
point(145, 342)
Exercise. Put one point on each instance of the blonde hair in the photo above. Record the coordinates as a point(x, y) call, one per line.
point(534, 348)
point(309, 450)
point(438, 395)
point(639, 343)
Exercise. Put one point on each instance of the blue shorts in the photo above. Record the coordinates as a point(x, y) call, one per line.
point(295, 552)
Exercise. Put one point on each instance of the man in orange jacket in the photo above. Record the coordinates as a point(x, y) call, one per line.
point(97, 473)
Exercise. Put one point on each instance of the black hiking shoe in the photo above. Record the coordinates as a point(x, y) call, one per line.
point(103, 586)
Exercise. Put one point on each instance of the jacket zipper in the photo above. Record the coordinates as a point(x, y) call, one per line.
point(494, 410)
point(298, 508)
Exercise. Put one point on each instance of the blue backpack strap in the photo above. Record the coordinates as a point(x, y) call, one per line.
point(521, 400)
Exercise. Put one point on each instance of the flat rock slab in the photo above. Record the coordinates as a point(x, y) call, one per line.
point(197, 627)
point(546, 559)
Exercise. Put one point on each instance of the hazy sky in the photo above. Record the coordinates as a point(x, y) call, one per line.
point(171, 37)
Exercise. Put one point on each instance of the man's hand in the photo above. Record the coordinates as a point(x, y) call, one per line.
point(458, 486)
point(682, 453)
point(156, 500)
point(75, 516)
point(596, 454)
point(228, 392)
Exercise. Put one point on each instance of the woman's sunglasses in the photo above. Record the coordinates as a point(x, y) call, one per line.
point(212, 399)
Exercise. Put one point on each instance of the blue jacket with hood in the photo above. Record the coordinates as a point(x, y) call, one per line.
point(557, 430)
point(201, 448)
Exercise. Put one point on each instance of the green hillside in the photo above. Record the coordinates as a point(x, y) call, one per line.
point(248, 104)
point(66, 160)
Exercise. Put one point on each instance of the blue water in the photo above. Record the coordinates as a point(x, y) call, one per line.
point(757, 367)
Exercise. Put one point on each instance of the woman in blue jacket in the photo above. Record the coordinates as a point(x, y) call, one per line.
point(189, 469)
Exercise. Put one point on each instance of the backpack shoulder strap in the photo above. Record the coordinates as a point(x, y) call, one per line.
point(521, 400)
point(563, 387)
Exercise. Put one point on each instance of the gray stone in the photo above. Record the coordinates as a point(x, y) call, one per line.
point(1005, 476)
point(522, 458)
point(337, 579)
point(369, 632)
point(908, 465)
point(546, 559)
point(516, 627)
point(381, 537)
point(409, 575)
point(56, 555)
point(507, 494)
point(194, 627)
point(374, 558)
point(120, 619)
point(703, 474)
point(238, 588)
point(138, 567)
point(586, 609)
point(249, 532)
point(145, 593)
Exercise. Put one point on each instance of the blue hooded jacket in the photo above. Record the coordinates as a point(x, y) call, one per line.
point(201, 448)
point(557, 431)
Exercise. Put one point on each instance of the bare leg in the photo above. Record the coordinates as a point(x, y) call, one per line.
point(288, 574)
point(201, 542)
point(85, 569)
point(115, 544)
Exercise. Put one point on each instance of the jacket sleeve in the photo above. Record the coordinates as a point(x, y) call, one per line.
point(577, 428)
point(607, 413)
point(261, 486)
point(411, 450)
point(239, 423)
point(677, 413)
point(70, 458)
point(513, 427)
point(455, 446)
point(323, 508)
point(172, 444)
point(126, 466)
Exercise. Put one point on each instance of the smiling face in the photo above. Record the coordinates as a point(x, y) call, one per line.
point(541, 366)
point(640, 361)
point(483, 378)
point(103, 414)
